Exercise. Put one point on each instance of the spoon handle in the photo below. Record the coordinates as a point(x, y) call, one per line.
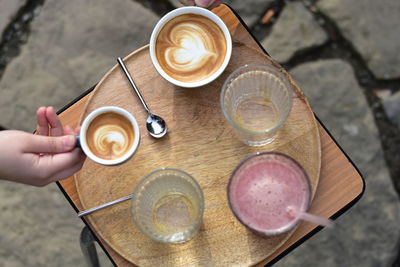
point(128, 75)
point(88, 211)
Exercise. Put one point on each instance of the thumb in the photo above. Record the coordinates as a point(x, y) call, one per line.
point(49, 144)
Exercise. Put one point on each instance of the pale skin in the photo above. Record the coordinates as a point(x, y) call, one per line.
point(50, 154)
point(38, 159)
point(202, 3)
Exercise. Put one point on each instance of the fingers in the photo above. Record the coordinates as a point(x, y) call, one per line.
point(42, 127)
point(48, 122)
point(187, 2)
point(215, 4)
point(204, 3)
point(48, 144)
point(56, 128)
point(78, 130)
point(57, 157)
point(69, 171)
point(60, 166)
point(68, 130)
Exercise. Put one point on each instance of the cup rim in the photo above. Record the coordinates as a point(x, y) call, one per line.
point(96, 113)
point(199, 217)
point(187, 10)
point(285, 228)
point(288, 87)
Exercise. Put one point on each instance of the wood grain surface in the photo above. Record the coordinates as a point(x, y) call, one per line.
point(200, 142)
point(339, 185)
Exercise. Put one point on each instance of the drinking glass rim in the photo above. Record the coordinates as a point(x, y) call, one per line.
point(285, 228)
point(274, 72)
point(199, 218)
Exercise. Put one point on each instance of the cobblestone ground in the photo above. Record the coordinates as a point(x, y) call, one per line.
point(344, 55)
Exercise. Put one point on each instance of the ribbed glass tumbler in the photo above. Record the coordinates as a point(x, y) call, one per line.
point(256, 101)
point(168, 206)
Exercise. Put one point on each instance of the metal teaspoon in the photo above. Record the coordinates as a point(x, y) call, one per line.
point(155, 125)
point(106, 205)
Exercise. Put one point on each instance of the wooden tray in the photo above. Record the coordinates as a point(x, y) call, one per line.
point(200, 142)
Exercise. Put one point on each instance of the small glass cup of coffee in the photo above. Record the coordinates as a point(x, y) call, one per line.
point(268, 192)
point(190, 46)
point(256, 101)
point(168, 206)
point(109, 135)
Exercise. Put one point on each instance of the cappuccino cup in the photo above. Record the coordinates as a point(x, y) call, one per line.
point(190, 46)
point(109, 135)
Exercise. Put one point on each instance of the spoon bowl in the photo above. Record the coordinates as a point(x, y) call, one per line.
point(156, 126)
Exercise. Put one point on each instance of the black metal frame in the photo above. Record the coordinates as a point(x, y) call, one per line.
point(88, 247)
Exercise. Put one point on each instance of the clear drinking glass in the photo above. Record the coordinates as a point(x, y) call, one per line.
point(168, 206)
point(256, 100)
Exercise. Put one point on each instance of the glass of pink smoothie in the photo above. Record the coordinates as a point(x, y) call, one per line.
point(265, 189)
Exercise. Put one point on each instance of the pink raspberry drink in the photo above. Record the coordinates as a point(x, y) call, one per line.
point(268, 191)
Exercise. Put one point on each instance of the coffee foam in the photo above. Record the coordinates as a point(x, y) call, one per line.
point(190, 47)
point(110, 136)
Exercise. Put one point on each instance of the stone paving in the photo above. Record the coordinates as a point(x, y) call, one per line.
point(287, 38)
point(372, 224)
point(71, 44)
point(9, 11)
point(371, 31)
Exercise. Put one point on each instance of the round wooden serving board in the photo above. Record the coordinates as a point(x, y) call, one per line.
point(200, 142)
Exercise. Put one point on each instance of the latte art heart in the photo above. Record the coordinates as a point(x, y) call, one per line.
point(111, 140)
point(110, 136)
point(190, 47)
point(191, 51)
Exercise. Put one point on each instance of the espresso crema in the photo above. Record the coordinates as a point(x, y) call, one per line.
point(110, 136)
point(190, 47)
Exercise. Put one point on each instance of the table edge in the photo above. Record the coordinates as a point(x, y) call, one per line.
point(294, 245)
point(64, 108)
point(319, 121)
point(342, 210)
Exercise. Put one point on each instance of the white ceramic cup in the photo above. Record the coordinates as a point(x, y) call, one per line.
point(96, 113)
point(190, 10)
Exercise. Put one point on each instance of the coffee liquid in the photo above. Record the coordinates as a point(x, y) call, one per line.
point(110, 136)
point(190, 48)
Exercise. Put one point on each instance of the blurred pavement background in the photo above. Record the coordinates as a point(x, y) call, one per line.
point(344, 55)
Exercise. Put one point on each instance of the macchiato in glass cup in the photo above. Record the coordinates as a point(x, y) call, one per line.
point(190, 46)
point(109, 135)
